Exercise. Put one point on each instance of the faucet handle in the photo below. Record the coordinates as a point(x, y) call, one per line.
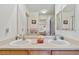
point(18, 37)
point(62, 38)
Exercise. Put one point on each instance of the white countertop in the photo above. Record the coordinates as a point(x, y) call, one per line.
point(74, 45)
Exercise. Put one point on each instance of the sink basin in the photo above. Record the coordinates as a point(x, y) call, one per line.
point(20, 42)
point(59, 42)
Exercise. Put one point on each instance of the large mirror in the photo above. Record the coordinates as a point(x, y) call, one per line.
point(38, 19)
point(66, 18)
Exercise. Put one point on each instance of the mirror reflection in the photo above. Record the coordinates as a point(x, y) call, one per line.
point(66, 18)
point(38, 19)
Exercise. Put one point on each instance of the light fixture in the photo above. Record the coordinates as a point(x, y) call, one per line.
point(44, 11)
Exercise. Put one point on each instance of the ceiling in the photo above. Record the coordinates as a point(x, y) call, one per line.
point(38, 7)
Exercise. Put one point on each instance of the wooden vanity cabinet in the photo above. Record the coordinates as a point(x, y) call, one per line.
point(25, 52)
point(13, 52)
point(39, 52)
point(65, 52)
point(55, 52)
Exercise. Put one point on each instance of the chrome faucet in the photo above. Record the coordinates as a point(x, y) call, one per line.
point(17, 37)
point(20, 36)
point(60, 37)
point(55, 38)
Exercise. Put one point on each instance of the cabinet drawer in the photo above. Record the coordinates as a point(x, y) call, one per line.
point(63, 52)
point(13, 52)
point(40, 52)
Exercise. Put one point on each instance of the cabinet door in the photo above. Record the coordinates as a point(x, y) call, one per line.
point(13, 52)
point(40, 52)
point(69, 52)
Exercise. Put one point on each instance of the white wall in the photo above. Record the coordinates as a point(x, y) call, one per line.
point(22, 20)
point(77, 18)
point(59, 7)
point(9, 15)
point(8, 21)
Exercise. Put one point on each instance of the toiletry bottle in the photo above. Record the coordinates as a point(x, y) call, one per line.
point(40, 39)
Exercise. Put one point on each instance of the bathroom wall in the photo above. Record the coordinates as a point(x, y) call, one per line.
point(77, 18)
point(22, 20)
point(8, 17)
point(59, 7)
point(13, 20)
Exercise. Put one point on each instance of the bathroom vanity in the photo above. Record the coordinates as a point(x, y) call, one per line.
point(47, 48)
point(22, 20)
point(39, 52)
